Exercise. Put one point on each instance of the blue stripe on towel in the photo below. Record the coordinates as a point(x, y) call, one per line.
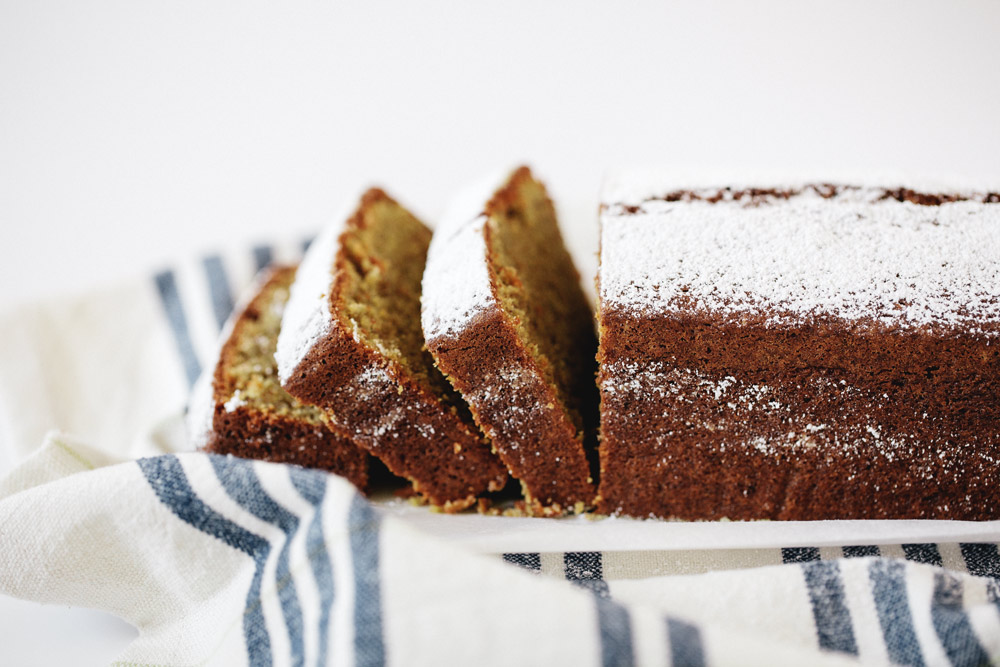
point(166, 285)
point(262, 256)
point(993, 592)
point(586, 569)
point(861, 551)
point(615, 631)
point(311, 485)
point(829, 605)
point(952, 624)
point(982, 560)
point(927, 554)
point(166, 476)
point(799, 554)
point(686, 648)
point(369, 646)
point(888, 579)
point(218, 289)
point(240, 481)
point(530, 561)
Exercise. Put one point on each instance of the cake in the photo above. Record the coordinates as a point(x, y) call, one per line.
point(509, 325)
point(351, 344)
point(239, 407)
point(804, 351)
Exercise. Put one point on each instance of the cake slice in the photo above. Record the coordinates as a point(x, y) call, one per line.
point(239, 407)
point(508, 323)
point(799, 351)
point(351, 344)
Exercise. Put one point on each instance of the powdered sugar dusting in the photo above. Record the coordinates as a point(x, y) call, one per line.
point(849, 256)
point(371, 384)
point(506, 396)
point(723, 407)
point(307, 316)
point(456, 283)
point(235, 401)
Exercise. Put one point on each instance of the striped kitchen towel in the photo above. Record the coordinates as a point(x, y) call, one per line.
point(223, 561)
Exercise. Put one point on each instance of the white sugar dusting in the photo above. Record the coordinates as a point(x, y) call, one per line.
point(235, 401)
point(307, 316)
point(456, 282)
point(723, 407)
point(374, 385)
point(507, 395)
point(848, 257)
point(370, 384)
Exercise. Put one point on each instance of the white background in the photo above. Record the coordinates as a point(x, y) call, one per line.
point(135, 132)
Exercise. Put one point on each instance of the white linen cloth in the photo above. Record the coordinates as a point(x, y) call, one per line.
point(222, 561)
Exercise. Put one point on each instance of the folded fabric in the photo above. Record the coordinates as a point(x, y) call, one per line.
point(223, 561)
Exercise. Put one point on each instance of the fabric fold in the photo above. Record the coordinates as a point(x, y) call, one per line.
point(204, 554)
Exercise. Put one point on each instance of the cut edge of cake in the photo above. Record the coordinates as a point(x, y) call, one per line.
point(479, 335)
point(241, 410)
point(383, 398)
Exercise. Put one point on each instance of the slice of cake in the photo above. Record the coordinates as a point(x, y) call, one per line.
point(351, 344)
point(239, 407)
point(508, 323)
point(807, 351)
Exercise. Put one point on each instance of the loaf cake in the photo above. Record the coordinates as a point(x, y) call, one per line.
point(239, 407)
point(351, 344)
point(508, 323)
point(810, 351)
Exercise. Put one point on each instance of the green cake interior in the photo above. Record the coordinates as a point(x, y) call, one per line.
point(250, 370)
point(385, 248)
point(539, 286)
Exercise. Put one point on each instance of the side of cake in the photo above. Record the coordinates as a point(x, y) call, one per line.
point(239, 407)
point(508, 323)
point(351, 344)
point(804, 351)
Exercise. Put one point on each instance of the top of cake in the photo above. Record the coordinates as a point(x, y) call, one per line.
point(457, 282)
point(886, 256)
point(307, 317)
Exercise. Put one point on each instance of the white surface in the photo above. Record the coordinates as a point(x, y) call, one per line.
point(491, 534)
point(37, 635)
point(135, 133)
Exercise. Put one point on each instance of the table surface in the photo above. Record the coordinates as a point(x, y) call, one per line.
point(135, 133)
